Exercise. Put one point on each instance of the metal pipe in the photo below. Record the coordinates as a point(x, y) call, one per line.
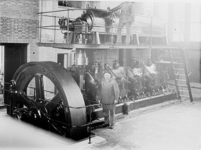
point(40, 30)
point(89, 126)
point(54, 29)
point(151, 31)
point(49, 28)
point(68, 34)
point(59, 11)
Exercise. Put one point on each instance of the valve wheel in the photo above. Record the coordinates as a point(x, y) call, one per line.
point(67, 103)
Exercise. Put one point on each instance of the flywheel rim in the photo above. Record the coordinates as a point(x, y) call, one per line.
point(71, 95)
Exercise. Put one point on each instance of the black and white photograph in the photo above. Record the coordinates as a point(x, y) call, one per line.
point(100, 75)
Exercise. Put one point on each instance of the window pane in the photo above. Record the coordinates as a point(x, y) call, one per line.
point(179, 16)
point(195, 12)
point(179, 9)
point(195, 26)
point(178, 32)
point(148, 9)
point(195, 32)
point(163, 10)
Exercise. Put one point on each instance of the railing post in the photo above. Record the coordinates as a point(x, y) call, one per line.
point(186, 73)
point(34, 93)
point(54, 28)
point(89, 127)
point(40, 28)
point(151, 31)
point(112, 30)
point(68, 33)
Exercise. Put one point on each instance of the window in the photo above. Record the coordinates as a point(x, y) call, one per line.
point(162, 10)
point(62, 59)
point(64, 3)
point(195, 22)
point(148, 9)
point(178, 31)
point(178, 26)
point(74, 4)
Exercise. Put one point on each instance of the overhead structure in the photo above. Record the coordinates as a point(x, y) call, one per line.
point(99, 27)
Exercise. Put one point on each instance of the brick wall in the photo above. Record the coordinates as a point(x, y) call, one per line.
point(18, 24)
point(23, 9)
point(19, 20)
point(18, 29)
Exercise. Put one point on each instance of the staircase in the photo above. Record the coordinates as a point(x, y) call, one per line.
point(181, 75)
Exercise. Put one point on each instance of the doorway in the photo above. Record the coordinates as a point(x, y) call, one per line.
point(63, 60)
point(14, 56)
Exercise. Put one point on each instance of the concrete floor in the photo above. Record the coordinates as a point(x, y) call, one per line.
point(173, 128)
point(177, 127)
point(167, 126)
point(19, 135)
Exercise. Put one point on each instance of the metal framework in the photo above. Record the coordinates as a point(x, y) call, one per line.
point(149, 32)
point(145, 27)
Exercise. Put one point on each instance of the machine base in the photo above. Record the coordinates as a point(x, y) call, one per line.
point(144, 102)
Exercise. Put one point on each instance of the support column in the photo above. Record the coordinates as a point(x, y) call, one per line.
point(187, 23)
point(170, 22)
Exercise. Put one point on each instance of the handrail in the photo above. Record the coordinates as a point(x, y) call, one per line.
point(74, 9)
point(60, 10)
point(147, 30)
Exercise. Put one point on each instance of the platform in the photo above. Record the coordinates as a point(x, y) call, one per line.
point(103, 46)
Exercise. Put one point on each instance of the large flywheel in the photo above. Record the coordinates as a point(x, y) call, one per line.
point(64, 106)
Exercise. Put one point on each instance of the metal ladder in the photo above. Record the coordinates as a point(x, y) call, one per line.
point(181, 75)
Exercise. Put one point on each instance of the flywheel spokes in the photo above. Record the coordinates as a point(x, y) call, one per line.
point(48, 90)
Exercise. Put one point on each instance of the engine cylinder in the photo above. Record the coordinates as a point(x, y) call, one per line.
point(81, 59)
point(93, 20)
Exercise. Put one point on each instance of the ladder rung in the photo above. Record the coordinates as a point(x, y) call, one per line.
point(182, 85)
point(176, 57)
point(179, 74)
point(176, 50)
point(180, 80)
point(178, 69)
point(185, 96)
point(176, 63)
point(183, 91)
